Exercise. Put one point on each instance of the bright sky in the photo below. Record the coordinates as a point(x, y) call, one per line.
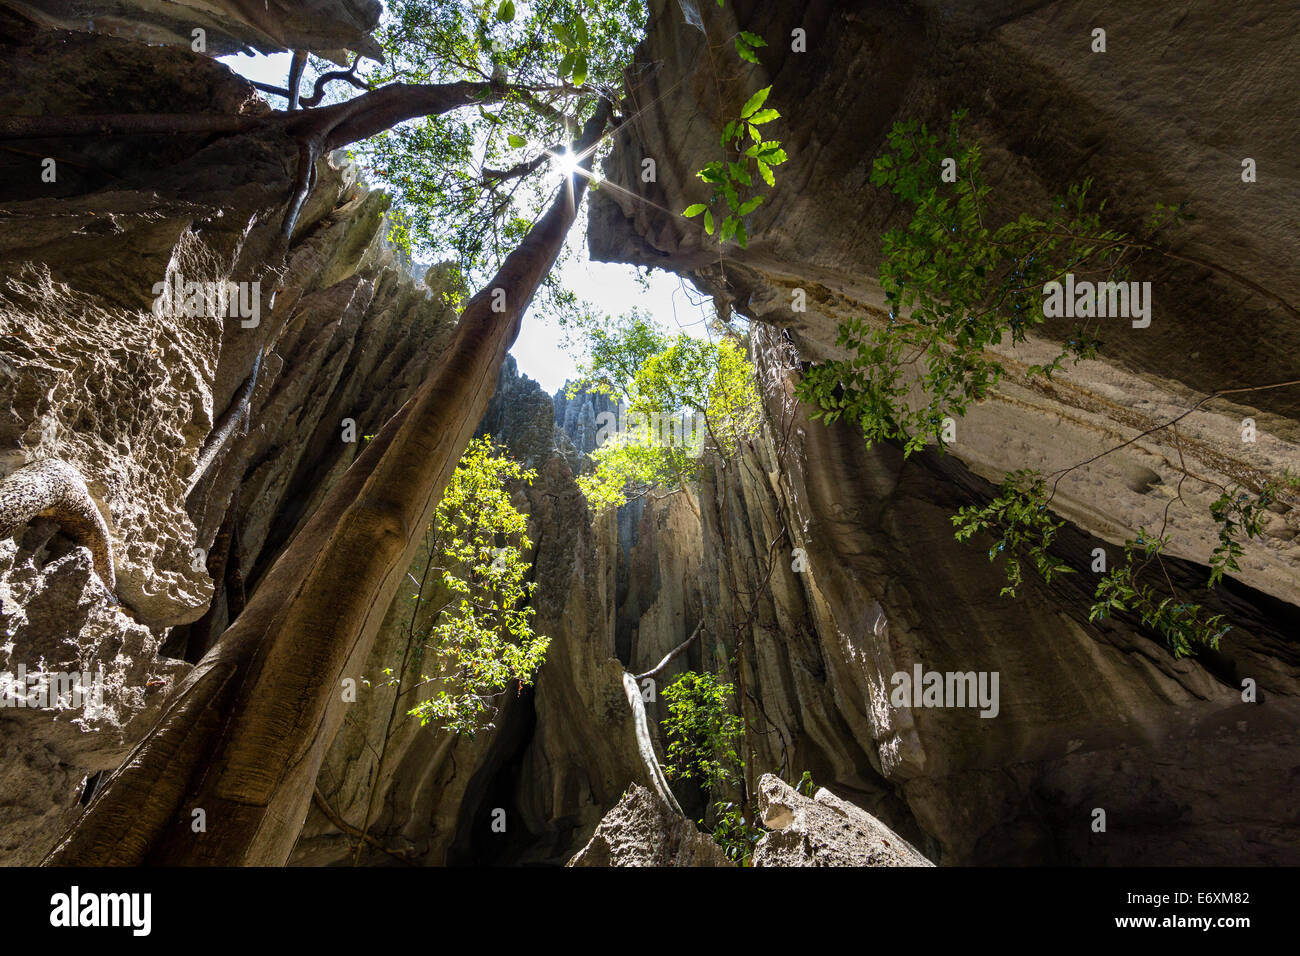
point(612, 288)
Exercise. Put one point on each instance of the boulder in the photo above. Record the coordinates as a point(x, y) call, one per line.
point(642, 831)
point(824, 830)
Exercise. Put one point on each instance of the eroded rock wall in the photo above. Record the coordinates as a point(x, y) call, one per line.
point(1165, 116)
point(1091, 715)
point(833, 564)
point(229, 26)
point(557, 756)
point(128, 392)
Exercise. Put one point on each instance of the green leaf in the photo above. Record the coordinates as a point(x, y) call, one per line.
point(566, 65)
point(753, 39)
point(765, 173)
point(506, 12)
point(516, 141)
point(754, 102)
point(580, 69)
point(764, 116)
point(712, 173)
point(694, 210)
point(750, 206)
point(708, 222)
point(744, 52)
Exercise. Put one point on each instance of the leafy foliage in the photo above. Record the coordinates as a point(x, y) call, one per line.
point(957, 282)
point(1021, 516)
point(1019, 519)
point(616, 348)
point(733, 178)
point(481, 635)
point(681, 396)
point(703, 733)
point(469, 183)
point(1236, 512)
point(736, 834)
point(1183, 625)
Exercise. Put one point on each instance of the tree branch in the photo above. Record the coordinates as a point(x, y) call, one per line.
point(349, 75)
point(295, 77)
point(234, 418)
point(675, 652)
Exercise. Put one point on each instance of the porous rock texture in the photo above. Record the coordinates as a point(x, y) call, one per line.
point(126, 394)
point(823, 830)
point(641, 831)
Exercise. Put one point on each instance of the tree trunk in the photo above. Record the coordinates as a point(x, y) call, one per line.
point(243, 737)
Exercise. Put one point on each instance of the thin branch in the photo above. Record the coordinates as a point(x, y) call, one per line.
point(1155, 428)
point(348, 76)
point(675, 652)
point(231, 422)
point(645, 746)
point(349, 830)
point(520, 170)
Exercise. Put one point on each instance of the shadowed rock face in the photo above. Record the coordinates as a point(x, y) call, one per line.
point(1091, 716)
point(824, 830)
point(231, 26)
point(1148, 121)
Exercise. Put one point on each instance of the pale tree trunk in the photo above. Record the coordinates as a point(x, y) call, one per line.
point(243, 737)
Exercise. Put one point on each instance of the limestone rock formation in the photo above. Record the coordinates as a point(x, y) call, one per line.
point(80, 680)
point(204, 442)
point(641, 831)
point(559, 754)
point(850, 549)
point(1048, 113)
point(231, 26)
point(95, 374)
point(824, 830)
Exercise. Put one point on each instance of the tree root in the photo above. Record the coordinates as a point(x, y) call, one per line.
point(645, 746)
point(53, 489)
point(234, 420)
